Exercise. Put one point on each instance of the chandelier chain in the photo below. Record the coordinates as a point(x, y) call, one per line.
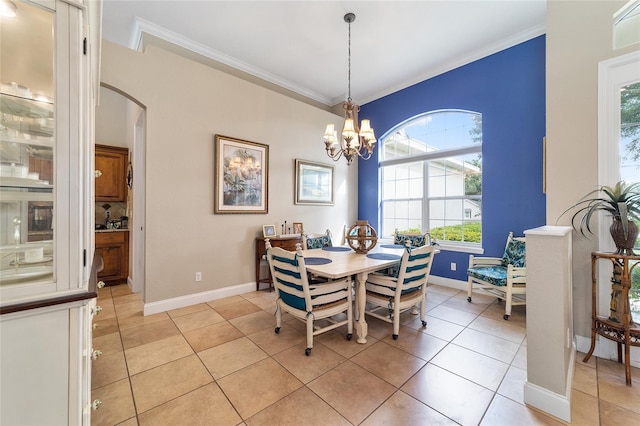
point(349, 66)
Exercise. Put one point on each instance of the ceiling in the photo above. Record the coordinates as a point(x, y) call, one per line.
point(302, 46)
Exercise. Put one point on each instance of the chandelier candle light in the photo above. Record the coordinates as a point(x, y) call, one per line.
point(354, 141)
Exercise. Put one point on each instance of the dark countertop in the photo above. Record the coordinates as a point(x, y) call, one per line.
point(112, 230)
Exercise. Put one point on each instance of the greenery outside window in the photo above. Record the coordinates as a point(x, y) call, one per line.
point(431, 174)
point(630, 168)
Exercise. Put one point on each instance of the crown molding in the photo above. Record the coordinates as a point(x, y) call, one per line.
point(141, 27)
point(506, 43)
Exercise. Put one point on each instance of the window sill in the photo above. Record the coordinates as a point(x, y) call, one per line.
point(443, 245)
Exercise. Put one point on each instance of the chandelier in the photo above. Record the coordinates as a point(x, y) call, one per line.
point(355, 140)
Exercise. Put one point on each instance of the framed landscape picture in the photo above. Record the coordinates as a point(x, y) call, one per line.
point(241, 176)
point(314, 183)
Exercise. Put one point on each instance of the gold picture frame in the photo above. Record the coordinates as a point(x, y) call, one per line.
point(298, 228)
point(268, 231)
point(241, 180)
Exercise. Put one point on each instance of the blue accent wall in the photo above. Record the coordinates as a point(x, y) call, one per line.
point(508, 88)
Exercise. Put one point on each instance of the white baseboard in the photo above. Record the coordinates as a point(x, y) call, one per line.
point(550, 402)
point(448, 282)
point(208, 296)
point(194, 299)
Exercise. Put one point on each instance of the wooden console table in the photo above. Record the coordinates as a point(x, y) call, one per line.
point(625, 332)
point(287, 243)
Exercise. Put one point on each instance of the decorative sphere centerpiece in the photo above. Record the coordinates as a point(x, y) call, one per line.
point(362, 237)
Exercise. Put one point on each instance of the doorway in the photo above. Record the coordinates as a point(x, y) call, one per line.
point(618, 157)
point(121, 121)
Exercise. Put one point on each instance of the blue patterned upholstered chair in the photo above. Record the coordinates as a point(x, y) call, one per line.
point(390, 295)
point(414, 240)
point(315, 241)
point(307, 301)
point(504, 277)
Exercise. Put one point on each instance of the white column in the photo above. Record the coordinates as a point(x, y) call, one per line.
point(550, 341)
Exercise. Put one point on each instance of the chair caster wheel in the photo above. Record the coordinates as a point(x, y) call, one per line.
point(349, 336)
point(469, 299)
point(277, 330)
point(506, 317)
point(424, 323)
point(307, 351)
point(395, 336)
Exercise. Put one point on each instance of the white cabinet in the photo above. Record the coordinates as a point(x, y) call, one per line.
point(45, 365)
point(47, 283)
point(45, 152)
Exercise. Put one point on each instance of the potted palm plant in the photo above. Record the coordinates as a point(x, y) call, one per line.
point(622, 202)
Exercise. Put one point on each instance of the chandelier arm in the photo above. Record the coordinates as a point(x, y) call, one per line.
point(336, 155)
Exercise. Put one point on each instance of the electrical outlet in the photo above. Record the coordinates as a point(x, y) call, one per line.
point(198, 276)
point(453, 266)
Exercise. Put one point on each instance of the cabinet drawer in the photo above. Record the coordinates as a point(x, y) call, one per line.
point(110, 237)
point(289, 245)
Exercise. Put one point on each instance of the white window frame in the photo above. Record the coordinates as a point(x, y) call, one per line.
point(613, 75)
point(458, 246)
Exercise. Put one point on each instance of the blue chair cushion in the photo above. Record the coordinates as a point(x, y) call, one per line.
point(495, 275)
point(319, 242)
point(514, 254)
point(414, 240)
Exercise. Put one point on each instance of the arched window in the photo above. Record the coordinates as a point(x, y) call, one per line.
point(431, 177)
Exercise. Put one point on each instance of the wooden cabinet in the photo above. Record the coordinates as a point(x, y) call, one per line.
point(113, 247)
point(111, 163)
point(287, 243)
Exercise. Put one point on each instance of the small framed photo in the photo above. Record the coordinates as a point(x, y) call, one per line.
point(297, 228)
point(268, 231)
point(314, 183)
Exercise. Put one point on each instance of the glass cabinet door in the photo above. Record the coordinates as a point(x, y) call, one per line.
point(40, 65)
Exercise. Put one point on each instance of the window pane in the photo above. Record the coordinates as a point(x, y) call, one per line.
point(630, 136)
point(433, 131)
point(453, 210)
point(436, 209)
point(437, 186)
point(416, 170)
point(472, 174)
point(388, 190)
point(389, 173)
point(415, 188)
point(402, 210)
point(415, 209)
point(454, 178)
point(630, 133)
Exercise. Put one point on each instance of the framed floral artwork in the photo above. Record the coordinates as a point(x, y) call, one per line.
point(241, 176)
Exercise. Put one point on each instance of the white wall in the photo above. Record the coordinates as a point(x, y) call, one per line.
point(111, 119)
point(186, 104)
point(579, 36)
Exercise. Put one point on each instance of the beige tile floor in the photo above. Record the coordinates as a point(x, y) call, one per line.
point(220, 363)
